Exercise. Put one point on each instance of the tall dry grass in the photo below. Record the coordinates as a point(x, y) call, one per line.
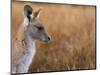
point(72, 30)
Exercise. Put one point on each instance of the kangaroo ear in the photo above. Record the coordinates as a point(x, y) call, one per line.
point(28, 11)
point(37, 13)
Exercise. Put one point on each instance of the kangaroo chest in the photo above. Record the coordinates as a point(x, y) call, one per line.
point(28, 55)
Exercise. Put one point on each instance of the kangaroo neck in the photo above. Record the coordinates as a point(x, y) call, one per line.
point(25, 39)
point(29, 41)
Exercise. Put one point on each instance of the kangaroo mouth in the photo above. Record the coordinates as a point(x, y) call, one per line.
point(45, 41)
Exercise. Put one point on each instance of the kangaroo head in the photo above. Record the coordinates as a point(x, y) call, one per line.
point(34, 28)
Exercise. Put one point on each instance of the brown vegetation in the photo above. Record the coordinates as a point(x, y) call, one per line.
point(72, 30)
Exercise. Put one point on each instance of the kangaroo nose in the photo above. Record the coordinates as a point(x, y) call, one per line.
point(48, 38)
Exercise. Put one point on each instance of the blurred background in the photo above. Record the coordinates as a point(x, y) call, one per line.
point(72, 31)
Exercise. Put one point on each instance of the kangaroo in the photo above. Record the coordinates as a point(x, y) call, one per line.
point(23, 46)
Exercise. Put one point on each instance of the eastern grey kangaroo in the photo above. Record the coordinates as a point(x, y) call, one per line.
point(23, 46)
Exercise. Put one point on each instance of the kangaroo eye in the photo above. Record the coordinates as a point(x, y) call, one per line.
point(39, 27)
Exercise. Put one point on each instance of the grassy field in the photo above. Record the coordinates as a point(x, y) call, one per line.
point(72, 30)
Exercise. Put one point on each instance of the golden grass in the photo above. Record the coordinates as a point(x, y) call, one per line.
point(72, 30)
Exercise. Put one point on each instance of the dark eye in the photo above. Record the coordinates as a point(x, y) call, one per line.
point(39, 27)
